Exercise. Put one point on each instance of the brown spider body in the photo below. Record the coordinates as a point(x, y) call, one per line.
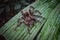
point(29, 18)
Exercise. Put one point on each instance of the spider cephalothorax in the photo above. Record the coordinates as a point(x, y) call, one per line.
point(29, 18)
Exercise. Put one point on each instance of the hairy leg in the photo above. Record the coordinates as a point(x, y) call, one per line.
point(38, 21)
point(32, 7)
point(42, 17)
point(39, 16)
point(20, 21)
point(31, 10)
point(28, 28)
point(38, 11)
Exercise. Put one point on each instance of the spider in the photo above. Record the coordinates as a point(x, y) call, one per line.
point(29, 18)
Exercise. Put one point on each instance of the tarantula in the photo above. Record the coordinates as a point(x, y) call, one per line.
point(29, 18)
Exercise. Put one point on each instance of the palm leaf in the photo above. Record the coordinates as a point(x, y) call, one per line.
point(8, 32)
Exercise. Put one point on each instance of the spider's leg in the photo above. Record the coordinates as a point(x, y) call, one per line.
point(37, 20)
point(39, 16)
point(32, 7)
point(28, 30)
point(28, 26)
point(38, 11)
point(42, 17)
point(36, 15)
point(20, 21)
point(31, 10)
